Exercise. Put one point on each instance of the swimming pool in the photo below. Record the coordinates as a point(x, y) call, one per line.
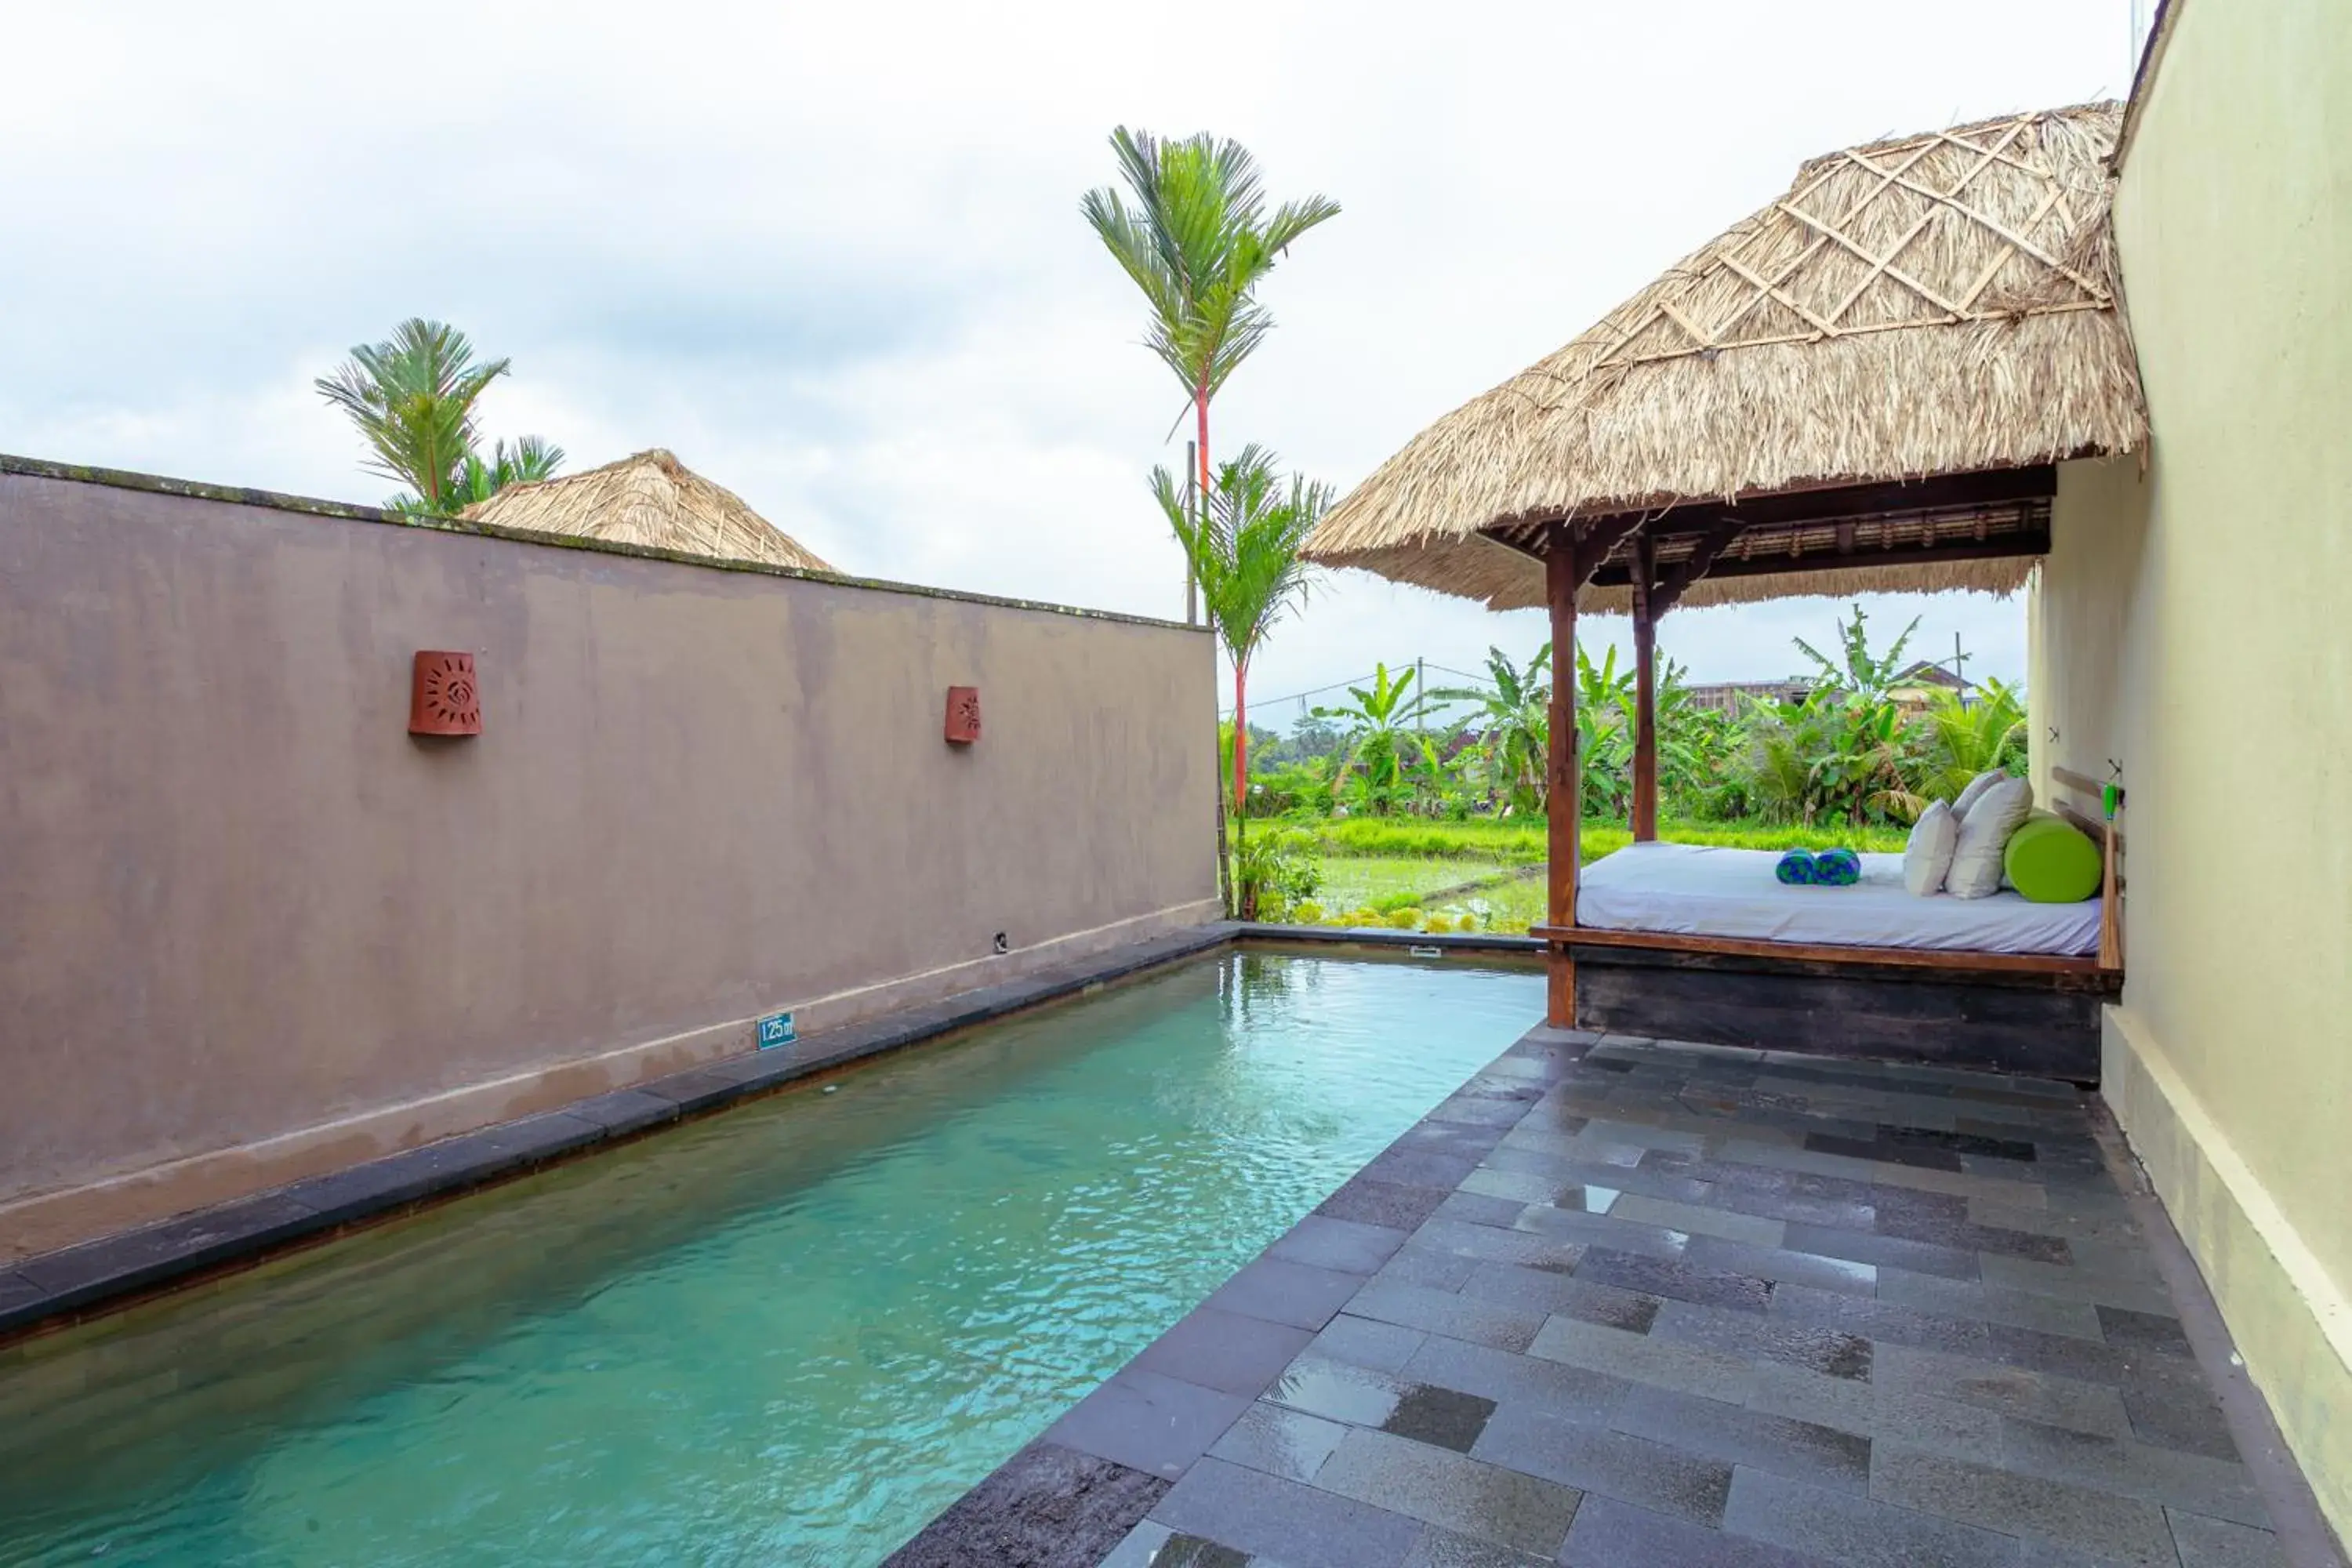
point(788, 1333)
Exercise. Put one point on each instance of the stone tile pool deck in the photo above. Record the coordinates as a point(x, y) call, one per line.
point(1622, 1303)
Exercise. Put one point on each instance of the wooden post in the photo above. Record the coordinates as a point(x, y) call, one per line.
point(1564, 811)
point(1646, 691)
point(2111, 913)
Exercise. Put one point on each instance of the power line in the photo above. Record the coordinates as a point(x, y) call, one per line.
point(1269, 703)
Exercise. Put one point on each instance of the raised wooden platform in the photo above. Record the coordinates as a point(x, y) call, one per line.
point(2021, 1012)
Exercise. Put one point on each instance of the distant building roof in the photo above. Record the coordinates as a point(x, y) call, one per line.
point(650, 499)
point(1925, 673)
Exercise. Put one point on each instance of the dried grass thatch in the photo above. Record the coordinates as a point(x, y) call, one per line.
point(652, 499)
point(1939, 304)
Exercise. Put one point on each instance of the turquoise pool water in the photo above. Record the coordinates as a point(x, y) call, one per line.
point(787, 1335)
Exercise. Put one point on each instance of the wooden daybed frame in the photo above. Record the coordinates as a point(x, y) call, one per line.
point(2026, 1012)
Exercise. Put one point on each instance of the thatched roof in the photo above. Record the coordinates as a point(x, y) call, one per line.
point(1938, 304)
point(650, 499)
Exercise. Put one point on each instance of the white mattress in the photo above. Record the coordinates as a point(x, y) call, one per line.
point(1694, 890)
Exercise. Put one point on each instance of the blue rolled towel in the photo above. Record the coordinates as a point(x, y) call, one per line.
point(1796, 869)
point(1837, 868)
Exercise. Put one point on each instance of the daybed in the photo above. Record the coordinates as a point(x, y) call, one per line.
point(1680, 942)
point(1695, 889)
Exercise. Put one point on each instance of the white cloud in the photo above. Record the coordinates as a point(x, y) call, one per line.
point(831, 255)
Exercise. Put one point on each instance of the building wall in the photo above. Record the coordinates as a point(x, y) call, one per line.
point(2191, 625)
point(251, 929)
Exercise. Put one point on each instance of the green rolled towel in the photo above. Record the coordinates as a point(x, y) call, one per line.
point(2050, 861)
point(1795, 868)
point(1837, 868)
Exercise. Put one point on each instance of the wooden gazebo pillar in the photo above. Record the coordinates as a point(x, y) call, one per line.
point(1643, 570)
point(1563, 812)
point(1572, 552)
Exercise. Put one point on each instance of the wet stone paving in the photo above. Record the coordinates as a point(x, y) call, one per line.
point(1623, 1304)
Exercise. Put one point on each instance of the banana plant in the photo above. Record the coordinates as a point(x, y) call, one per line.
point(1373, 723)
point(1514, 726)
point(1856, 669)
point(1604, 735)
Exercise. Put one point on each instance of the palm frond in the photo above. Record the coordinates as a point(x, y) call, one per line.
point(1191, 234)
point(412, 399)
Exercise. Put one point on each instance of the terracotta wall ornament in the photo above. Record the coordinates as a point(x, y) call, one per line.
point(963, 715)
point(444, 699)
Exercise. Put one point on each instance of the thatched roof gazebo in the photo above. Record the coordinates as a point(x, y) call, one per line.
point(650, 499)
point(1865, 386)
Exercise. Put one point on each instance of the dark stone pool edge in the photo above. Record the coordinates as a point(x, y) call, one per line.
point(53, 1289)
point(1071, 1495)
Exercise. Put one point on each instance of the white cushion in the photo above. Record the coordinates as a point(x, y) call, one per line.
point(1984, 834)
point(1928, 855)
point(1974, 792)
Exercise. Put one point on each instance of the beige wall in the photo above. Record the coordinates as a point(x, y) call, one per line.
point(2195, 624)
point(251, 929)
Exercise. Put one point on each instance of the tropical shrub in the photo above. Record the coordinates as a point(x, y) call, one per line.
point(1294, 789)
point(1965, 739)
point(1273, 870)
point(1845, 762)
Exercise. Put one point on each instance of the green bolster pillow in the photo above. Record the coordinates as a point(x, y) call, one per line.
point(2050, 861)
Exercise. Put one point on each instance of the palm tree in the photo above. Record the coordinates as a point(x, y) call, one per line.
point(1197, 241)
point(531, 458)
point(413, 400)
point(1244, 551)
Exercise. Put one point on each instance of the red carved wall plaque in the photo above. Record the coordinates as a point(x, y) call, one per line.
point(963, 715)
point(444, 699)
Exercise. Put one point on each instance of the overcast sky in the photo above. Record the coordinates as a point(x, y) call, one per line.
point(831, 255)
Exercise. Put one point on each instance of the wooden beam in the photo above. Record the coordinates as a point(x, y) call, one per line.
point(1593, 542)
point(2086, 785)
point(1677, 579)
point(1563, 812)
point(1950, 960)
point(2030, 541)
point(1644, 567)
point(1821, 504)
point(1833, 503)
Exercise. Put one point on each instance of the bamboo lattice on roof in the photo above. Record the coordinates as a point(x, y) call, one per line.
point(1936, 305)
